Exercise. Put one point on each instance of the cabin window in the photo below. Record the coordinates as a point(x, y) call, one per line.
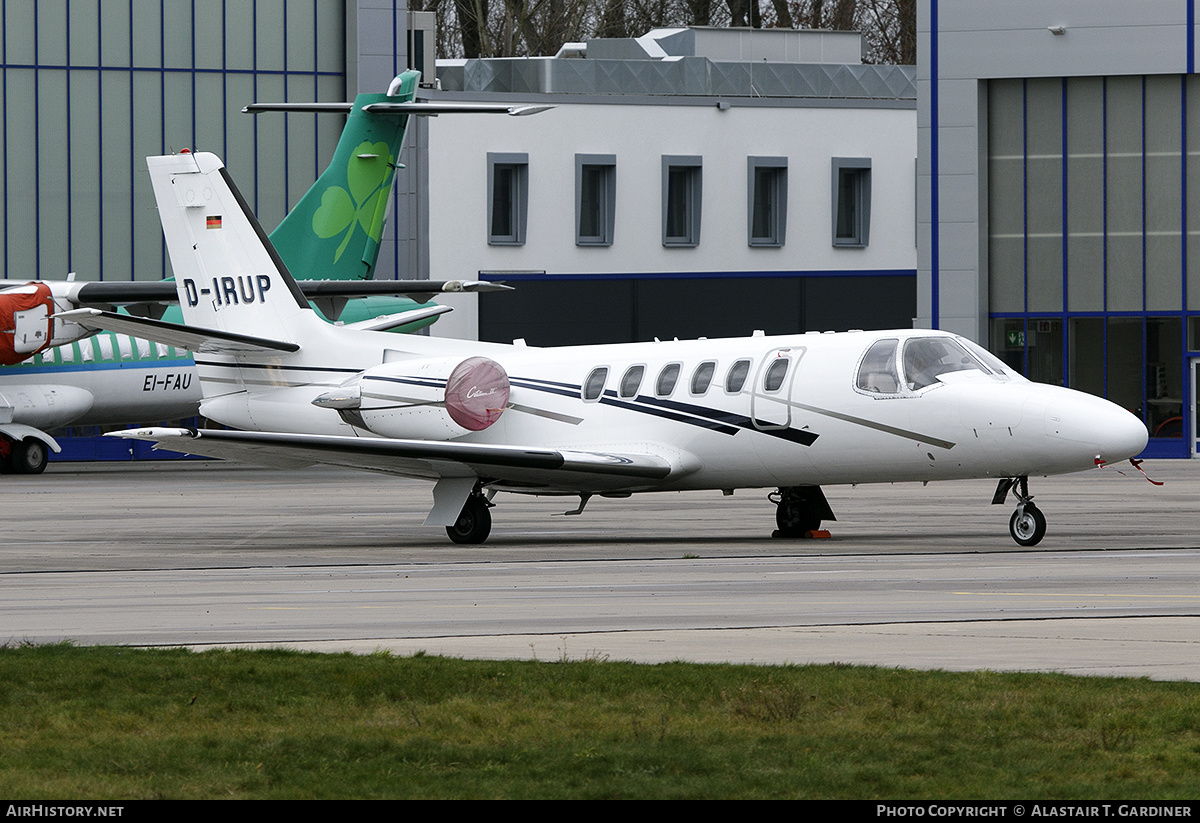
point(877, 372)
point(702, 377)
point(667, 378)
point(632, 381)
point(776, 372)
point(736, 378)
point(925, 358)
point(593, 387)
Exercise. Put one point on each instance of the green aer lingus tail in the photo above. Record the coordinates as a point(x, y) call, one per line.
point(333, 233)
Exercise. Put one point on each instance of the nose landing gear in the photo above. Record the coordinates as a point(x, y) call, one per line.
point(1027, 524)
point(799, 510)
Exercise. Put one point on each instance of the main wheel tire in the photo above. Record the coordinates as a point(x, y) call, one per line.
point(1027, 525)
point(794, 520)
point(30, 456)
point(474, 523)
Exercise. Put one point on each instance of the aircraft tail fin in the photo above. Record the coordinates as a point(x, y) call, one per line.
point(334, 232)
point(228, 275)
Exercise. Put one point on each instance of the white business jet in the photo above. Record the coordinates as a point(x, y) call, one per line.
point(788, 413)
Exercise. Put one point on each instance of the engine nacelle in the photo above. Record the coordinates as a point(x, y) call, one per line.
point(436, 399)
point(27, 322)
point(43, 405)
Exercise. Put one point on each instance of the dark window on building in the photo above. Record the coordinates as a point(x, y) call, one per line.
point(851, 201)
point(595, 199)
point(681, 198)
point(767, 206)
point(508, 198)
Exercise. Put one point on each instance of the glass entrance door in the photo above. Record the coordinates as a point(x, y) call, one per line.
point(1193, 429)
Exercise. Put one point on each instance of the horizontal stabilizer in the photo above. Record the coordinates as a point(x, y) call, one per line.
point(434, 109)
point(412, 288)
point(209, 341)
point(165, 291)
point(387, 322)
point(531, 466)
point(399, 109)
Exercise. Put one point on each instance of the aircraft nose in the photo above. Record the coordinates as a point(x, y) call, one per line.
point(1125, 436)
point(1107, 430)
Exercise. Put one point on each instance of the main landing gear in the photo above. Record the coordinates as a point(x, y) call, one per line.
point(799, 510)
point(28, 456)
point(1027, 524)
point(474, 522)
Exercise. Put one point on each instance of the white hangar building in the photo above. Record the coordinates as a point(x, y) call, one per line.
point(1059, 205)
point(690, 182)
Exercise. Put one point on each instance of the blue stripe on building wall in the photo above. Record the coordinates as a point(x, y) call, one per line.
point(934, 206)
point(689, 275)
point(1191, 37)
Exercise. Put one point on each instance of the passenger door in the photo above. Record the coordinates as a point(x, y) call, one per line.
point(771, 391)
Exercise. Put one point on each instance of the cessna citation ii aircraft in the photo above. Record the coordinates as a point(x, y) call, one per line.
point(791, 413)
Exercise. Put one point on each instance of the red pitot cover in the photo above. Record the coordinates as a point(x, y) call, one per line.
point(23, 331)
point(477, 393)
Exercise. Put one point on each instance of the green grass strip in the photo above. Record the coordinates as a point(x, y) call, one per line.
point(119, 723)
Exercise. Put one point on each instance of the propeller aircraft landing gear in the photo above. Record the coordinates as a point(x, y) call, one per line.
point(1027, 524)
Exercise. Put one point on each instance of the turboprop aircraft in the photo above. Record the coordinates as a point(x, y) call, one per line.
point(48, 379)
point(791, 413)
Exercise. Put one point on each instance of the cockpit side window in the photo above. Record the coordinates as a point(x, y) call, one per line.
point(877, 372)
point(927, 357)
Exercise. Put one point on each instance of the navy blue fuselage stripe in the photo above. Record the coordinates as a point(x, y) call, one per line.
point(739, 421)
point(680, 418)
point(427, 382)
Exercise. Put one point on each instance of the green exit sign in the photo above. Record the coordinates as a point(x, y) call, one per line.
point(1016, 339)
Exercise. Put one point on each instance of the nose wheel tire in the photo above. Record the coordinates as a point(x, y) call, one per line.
point(474, 522)
point(794, 520)
point(1027, 525)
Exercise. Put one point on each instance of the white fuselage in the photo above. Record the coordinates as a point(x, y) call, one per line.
point(809, 423)
point(105, 379)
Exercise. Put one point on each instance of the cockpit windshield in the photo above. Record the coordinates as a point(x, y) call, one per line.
point(925, 358)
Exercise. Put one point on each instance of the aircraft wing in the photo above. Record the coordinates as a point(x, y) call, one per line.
point(191, 338)
point(533, 468)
